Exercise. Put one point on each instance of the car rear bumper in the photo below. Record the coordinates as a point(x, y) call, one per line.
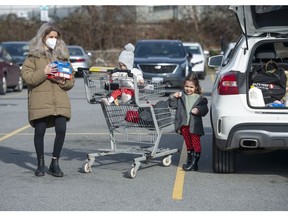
point(256, 136)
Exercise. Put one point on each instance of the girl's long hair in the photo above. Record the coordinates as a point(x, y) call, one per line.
point(194, 78)
point(37, 44)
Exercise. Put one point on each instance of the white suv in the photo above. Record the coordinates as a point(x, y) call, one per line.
point(237, 124)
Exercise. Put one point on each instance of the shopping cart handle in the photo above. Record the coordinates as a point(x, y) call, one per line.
point(115, 70)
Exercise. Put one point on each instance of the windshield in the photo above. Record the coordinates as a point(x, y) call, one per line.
point(266, 8)
point(269, 16)
point(17, 49)
point(193, 49)
point(159, 49)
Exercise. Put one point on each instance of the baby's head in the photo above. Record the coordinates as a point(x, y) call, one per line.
point(126, 57)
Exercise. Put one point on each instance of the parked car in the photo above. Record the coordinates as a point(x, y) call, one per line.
point(18, 50)
point(237, 124)
point(198, 59)
point(164, 60)
point(78, 58)
point(9, 73)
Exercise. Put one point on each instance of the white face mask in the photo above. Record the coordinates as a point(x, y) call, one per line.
point(51, 42)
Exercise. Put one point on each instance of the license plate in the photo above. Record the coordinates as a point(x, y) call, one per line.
point(157, 79)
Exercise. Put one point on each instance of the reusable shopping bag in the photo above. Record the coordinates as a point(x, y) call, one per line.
point(271, 79)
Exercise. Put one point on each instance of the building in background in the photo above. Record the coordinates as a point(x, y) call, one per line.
point(144, 14)
point(35, 11)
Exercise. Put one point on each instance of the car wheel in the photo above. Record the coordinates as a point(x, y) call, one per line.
point(202, 76)
point(19, 86)
point(3, 86)
point(222, 161)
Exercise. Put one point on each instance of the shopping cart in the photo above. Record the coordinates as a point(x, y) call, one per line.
point(140, 122)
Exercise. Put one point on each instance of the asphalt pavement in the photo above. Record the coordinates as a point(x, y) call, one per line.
point(260, 183)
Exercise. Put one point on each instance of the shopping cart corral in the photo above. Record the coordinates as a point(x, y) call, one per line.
point(137, 126)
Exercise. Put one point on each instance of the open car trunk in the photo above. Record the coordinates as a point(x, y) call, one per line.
point(268, 77)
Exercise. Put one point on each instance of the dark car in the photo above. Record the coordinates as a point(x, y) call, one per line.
point(9, 73)
point(18, 51)
point(162, 60)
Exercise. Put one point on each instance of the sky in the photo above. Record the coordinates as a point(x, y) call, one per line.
point(147, 2)
point(15, 4)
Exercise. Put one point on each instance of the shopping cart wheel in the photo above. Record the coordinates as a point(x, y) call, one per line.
point(132, 172)
point(166, 161)
point(86, 168)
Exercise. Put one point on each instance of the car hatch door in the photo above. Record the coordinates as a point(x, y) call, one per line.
point(258, 19)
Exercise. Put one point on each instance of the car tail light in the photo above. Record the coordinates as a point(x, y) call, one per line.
point(80, 60)
point(228, 84)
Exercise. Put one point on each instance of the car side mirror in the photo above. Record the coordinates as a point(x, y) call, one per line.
point(216, 61)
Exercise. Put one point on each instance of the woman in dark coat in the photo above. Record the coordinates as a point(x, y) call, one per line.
point(190, 107)
point(48, 101)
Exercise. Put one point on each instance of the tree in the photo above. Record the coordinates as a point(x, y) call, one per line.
point(108, 27)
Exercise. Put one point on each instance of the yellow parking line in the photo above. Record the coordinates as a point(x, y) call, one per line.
point(179, 183)
point(180, 176)
point(212, 76)
point(14, 132)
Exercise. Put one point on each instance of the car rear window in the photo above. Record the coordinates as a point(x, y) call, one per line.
point(273, 15)
point(75, 51)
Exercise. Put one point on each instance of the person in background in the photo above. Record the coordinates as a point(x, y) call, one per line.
point(190, 107)
point(48, 101)
point(126, 91)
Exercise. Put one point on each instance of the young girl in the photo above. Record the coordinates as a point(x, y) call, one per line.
point(190, 107)
point(125, 61)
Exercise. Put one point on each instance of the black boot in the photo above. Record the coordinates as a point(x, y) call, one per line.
point(194, 165)
point(41, 167)
point(54, 168)
point(188, 160)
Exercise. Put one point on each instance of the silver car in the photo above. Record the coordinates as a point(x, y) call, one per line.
point(78, 58)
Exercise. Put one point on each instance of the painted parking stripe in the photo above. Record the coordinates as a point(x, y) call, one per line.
point(14, 132)
point(180, 176)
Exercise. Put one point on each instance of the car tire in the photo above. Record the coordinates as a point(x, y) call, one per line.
point(202, 76)
point(222, 161)
point(3, 86)
point(19, 86)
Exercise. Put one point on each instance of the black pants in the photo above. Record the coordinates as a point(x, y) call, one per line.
point(40, 129)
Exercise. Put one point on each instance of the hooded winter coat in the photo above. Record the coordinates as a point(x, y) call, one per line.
point(195, 123)
point(45, 97)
